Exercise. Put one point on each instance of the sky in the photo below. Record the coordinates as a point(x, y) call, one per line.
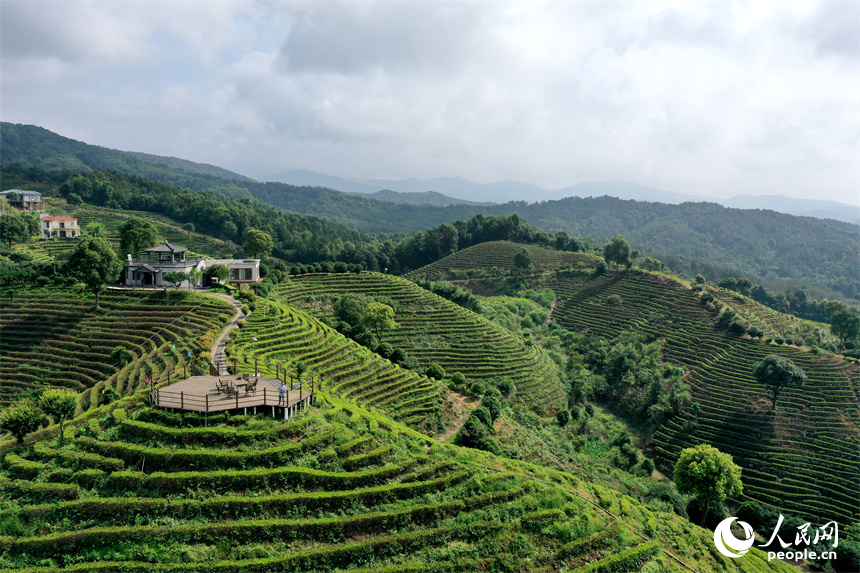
point(715, 99)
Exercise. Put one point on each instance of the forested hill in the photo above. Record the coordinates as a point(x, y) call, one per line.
point(771, 248)
point(30, 144)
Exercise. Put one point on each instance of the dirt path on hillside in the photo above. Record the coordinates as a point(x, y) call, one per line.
point(219, 356)
point(461, 408)
point(551, 309)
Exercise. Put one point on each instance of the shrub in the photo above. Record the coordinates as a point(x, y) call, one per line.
point(399, 356)
point(506, 387)
point(458, 378)
point(483, 414)
point(121, 356)
point(600, 268)
point(563, 417)
point(706, 297)
point(492, 404)
point(340, 267)
point(589, 409)
point(107, 396)
point(488, 444)
point(847, 558)
point(385, 350)
point(435, 371)
point(476, 389)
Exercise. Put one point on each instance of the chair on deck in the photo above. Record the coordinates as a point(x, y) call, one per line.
point(245, 377)
point(232, 390)
point(222, 386)
point(251, 387)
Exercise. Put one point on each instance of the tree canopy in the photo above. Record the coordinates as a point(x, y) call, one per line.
point(258, 244)
point(95, 262)
point(617, 251)
point(709, 475)
point(59, 403)
point(777, 373)
point(844, 322)
point(379, 318)
point(17, 227)
point(136, 234)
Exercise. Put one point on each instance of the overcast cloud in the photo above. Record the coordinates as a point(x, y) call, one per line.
point(702, 98)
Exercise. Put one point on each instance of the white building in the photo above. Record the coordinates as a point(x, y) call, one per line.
point(168, 258)
point(61, 227)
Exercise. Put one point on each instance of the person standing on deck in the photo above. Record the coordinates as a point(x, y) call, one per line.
point(282, 394)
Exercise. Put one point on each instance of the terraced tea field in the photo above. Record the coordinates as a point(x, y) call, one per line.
point(330, 491)
point(50, 337)
point(286, 335)
point(499, 255)
point(805, 459)
point(433, 329)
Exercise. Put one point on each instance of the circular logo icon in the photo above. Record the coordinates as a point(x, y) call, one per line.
point(728, 544)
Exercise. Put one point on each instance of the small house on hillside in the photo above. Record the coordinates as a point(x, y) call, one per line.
point(62, 227)
point(168, 258)
point(30, 201)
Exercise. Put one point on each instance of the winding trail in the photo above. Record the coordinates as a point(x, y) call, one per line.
point(219, 356)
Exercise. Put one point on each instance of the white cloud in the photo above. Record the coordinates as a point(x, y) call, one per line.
point(717, 98)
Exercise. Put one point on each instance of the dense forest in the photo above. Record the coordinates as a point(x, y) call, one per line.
point(781, 252)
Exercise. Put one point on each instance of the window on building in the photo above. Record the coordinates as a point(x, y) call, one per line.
point(247, 274)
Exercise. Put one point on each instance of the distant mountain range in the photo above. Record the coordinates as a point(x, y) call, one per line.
point(443, 191)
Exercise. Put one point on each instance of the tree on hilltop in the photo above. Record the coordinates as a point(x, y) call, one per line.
point(844, 322)
point(777, 373)
point(617, 251)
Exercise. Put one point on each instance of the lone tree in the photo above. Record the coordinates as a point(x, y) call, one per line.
point(709, 475)
point(59, 403)
point(617, 251)
point(20, 419)
point(188, 228)
point(258, 244)
point(136, 234)
point(95, 229)
point(777, 373)
point(523, 260)
point(95, 262)
point(652, 264)
point(220, 272)
point(175, 278)
point(844, 322)
point(379, 318)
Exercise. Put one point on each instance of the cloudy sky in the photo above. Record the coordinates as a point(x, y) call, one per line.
point(704, 98)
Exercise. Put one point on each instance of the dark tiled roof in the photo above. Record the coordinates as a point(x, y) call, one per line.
point(166, 248)
point(145, 268)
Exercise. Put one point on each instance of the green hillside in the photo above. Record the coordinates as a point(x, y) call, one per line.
point(434, 330)
point(499, 255)
point(51, 338)
point(329, 491)
point(285, 336)
point(804, 460)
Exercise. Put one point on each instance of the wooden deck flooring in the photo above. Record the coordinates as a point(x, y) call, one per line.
point(199, 394)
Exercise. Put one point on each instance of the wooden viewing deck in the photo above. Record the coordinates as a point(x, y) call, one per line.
point(200, 394)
